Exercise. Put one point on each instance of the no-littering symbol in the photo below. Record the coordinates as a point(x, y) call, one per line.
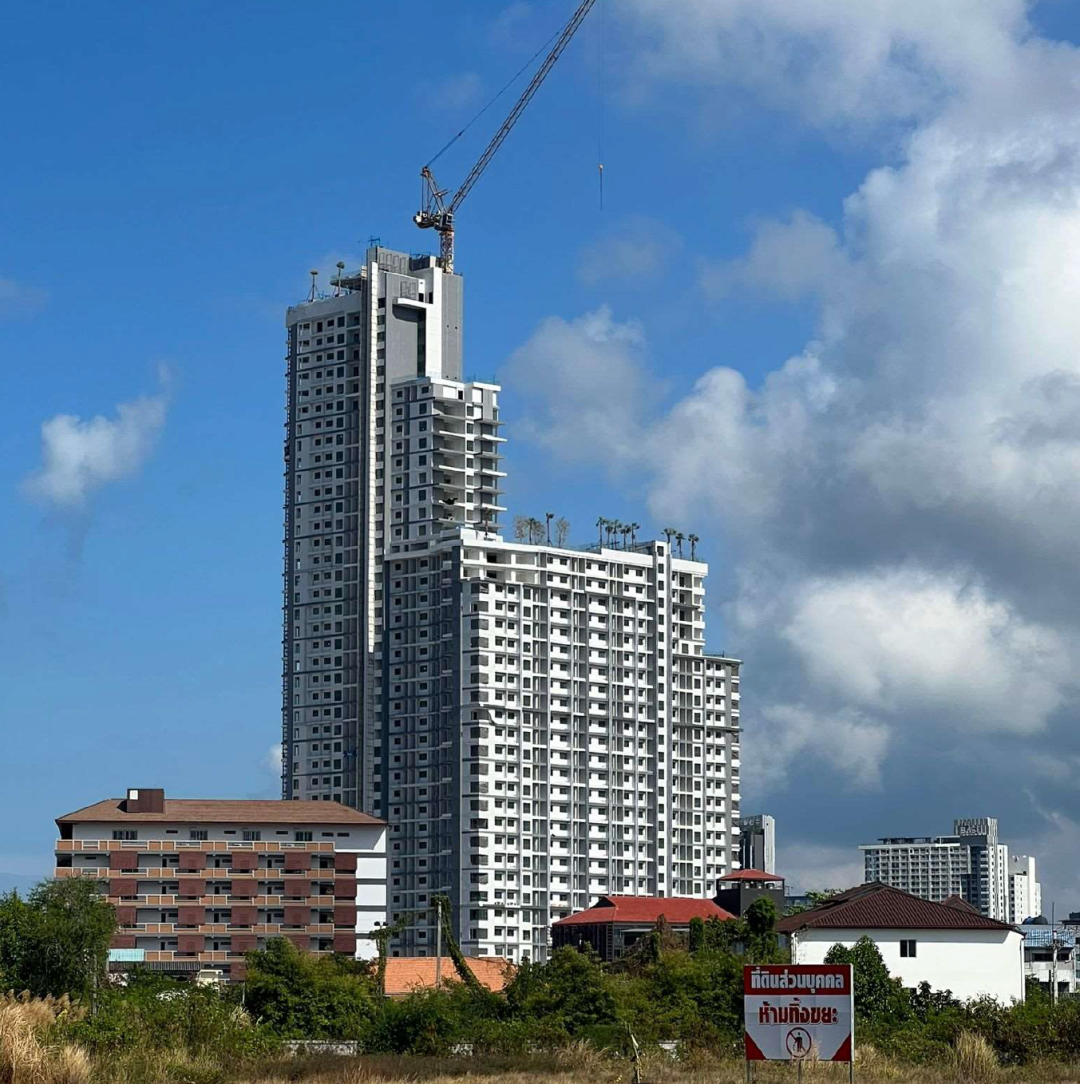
point(798, 1043)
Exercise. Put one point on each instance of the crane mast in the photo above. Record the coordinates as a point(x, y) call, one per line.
point(437, 214)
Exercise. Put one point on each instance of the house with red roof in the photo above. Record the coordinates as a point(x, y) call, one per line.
point(614, 924)
point(950, 945)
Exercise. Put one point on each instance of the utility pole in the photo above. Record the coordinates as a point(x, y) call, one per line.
point(438, 943)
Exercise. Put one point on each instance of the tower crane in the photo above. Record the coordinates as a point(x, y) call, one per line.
point(437, 213)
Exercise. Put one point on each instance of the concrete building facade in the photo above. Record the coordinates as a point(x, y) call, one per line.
point(540, 725)
point(1025, 892)
point(197, 884)
point(972, 863)
point(757, 842)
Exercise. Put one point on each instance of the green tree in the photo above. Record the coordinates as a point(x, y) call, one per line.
point(571, 990)
point(696, 940)
point(57, 940)
point(877, 995)
point(301, 996)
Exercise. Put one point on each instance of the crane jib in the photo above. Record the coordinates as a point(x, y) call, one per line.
point(439, 215)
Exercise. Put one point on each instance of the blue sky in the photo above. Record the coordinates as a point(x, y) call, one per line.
point(173, 171)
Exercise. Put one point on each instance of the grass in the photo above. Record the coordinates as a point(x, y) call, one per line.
point(29, 1056)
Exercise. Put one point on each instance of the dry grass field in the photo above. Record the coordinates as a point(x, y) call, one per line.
point(28, 1055)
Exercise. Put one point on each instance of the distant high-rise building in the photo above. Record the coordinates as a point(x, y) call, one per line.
point(757, 842)
point(1025, 892)
point(540, 724)
point(971, 863)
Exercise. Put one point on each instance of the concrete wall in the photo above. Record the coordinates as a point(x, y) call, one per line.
point(970, 963)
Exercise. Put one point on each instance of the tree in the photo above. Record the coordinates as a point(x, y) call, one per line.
point(601, 523)
point(875, 990)
point(57, 941)
point(562, 531)
point(521, 528)
point(679, 536)
point(693, 540)
point(634, 528)
point(760, 923)
point(696, 939)
point(548, 517)
point(571, 990)
point(302, 996)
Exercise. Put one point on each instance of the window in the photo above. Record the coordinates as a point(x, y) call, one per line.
point(125, 833)
point(198, 833)
point(302, 837)
point(907, 947)
point(252, 835)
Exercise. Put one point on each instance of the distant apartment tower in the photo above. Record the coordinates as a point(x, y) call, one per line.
point(540, 724)
point(197, 884)
point(757, 842)
point(971, 864)
point(1025, 892)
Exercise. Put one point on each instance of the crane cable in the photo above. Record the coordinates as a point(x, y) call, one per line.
point(600, 100)
point(517, 75)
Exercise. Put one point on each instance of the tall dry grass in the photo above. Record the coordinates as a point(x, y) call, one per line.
point(26, 1055)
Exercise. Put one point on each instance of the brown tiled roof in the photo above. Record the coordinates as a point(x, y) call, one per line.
point(676, 909)
point(751, 875)
point(233, 811)
point(960, 903)
point(877, 906)
point(404, 974)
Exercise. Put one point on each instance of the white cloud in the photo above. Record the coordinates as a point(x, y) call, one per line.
point(830, 61)
point(585, 377)
point(635, 250)
point(456, 91)
point(80, 456)
point(896, 504)
point(808, 866)
point(272, 760)
point(19, 300)
point(904, 642)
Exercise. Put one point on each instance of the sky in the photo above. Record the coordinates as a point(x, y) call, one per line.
point(824, 317)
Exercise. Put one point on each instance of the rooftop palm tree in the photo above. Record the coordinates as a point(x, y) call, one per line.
point(679, 536)
point(600, 524)
point(548, 517)
point(693, 540)
point(634, 528)
point(668, 532)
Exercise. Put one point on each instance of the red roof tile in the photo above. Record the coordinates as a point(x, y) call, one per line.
point(676, 909)
point(232, 811)
point(876, 906)
point(404, 974)
point(751, 875)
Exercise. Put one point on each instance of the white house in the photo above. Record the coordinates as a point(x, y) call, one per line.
point(949, 945)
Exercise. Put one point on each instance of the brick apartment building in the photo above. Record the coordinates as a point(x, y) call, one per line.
point(197, 884)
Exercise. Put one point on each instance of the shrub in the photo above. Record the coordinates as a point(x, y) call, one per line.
point(975, 1060)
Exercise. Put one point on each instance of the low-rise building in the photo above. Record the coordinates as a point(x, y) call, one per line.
point(197, 884)
point(737, 891)
point(614, 924)
point(1050, 956)
point(949, 945)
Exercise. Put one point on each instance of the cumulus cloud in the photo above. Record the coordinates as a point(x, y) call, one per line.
point(456, 91)
point(19, 300)
point(896, 504)
point(830, 61)
point(273, 759)
point(635, 250)
point(585, 377)
point(80, 456)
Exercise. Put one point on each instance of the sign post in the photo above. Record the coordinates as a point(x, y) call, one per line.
point(796, 1012)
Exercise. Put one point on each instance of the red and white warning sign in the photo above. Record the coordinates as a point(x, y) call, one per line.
point(797, 1011)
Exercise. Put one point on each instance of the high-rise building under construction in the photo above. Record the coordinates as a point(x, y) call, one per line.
point(540, 724)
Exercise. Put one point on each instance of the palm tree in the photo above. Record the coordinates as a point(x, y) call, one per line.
point(549, 516)
point(693, 540)
point(624, 530)
point(601, 523)
point(634, 528)
point(609, 526)
point(668, 532)
point(679, 536)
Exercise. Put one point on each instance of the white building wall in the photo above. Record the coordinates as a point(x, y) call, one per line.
point(970, 963)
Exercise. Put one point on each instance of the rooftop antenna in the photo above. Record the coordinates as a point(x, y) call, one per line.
point(314, 291)
point(340, 265)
